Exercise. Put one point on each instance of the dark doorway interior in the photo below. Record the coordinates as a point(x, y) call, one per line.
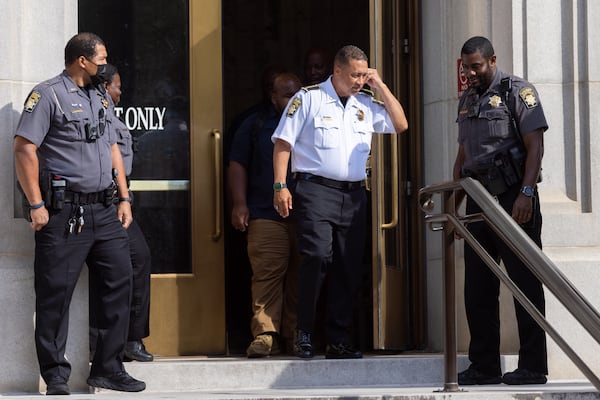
point(258, 34)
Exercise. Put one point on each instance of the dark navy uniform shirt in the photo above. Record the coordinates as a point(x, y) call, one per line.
point(253, 149)
point(484, 124)
point(54, 118)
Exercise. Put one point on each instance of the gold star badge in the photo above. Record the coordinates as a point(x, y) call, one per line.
point(495, 101)
point(361, 115)
point(104, 102)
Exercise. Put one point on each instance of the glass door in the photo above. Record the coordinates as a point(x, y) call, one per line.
point(172, 104)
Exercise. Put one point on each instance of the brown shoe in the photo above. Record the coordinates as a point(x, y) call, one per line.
point(263, 345)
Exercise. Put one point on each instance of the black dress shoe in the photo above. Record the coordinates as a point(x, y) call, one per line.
point(522, 376)
point(57, 388)
point(121, 381)
point(341, 350)
point(135, 350)
point(471, 376)
point(303, 345)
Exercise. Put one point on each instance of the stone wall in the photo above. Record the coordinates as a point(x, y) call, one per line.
point(33, 38)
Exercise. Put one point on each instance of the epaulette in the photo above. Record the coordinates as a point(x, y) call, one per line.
point(311, 87)
point(367, 92)
point(53, 81)
point(371, 94)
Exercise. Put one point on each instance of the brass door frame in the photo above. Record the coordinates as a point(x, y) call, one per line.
point(398, 290)
point(188, 309)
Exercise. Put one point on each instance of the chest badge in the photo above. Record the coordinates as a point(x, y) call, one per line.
point(360, 115)
point(495, 101)
point(104, 102)
point(528, 96)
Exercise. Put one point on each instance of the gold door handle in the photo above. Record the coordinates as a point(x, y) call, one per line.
point(394, 165)
point(218, 169)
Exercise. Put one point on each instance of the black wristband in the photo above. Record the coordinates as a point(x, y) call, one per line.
point(127, 199)
point(38, 205)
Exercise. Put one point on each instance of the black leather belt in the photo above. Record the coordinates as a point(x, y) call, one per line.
point(84, 198)
point(332, 183)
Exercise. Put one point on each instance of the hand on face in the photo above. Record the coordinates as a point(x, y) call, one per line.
point(373, 79)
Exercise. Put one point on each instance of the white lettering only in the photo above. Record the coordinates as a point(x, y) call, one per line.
point(143, 118)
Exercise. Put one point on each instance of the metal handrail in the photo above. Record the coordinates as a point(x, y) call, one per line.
point(513, 236)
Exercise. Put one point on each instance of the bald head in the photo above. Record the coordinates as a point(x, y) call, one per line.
point(285, 86)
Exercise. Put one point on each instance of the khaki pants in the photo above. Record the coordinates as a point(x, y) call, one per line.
point(274, 260)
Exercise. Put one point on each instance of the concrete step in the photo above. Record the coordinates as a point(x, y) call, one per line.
point(235, 373)
point(375, 377)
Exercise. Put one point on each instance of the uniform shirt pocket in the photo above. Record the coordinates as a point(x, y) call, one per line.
point(364, 131)
point(327, 133)
point(73, 126)
point(124, 142)
point(498, 121)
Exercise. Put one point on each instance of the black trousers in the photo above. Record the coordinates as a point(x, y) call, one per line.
point(482, 289)
point(331, 234)
point(139, 320)
point(59, 258)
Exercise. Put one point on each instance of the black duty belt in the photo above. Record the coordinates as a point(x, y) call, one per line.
point(332, 183)
point(84, 198)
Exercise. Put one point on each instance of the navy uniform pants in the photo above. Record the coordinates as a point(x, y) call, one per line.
point(331, 234)
point(482, 289)
point(139, 321)
point(59, 257)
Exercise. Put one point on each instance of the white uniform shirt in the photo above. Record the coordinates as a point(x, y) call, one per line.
point(328, 139)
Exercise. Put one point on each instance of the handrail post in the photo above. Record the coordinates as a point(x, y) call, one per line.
point(448, 265)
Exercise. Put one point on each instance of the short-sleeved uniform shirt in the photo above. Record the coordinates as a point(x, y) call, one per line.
point(55, 118)
point(252, 148)
point(484, 121)
point(328, 139)
point(124, 141)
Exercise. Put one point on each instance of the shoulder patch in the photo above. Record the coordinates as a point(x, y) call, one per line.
point(32, 100)
point(294, 106)
point(311, 87)
point(528, 96)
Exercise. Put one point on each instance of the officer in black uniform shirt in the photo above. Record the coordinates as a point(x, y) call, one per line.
point(501, 124)
point(65, 154)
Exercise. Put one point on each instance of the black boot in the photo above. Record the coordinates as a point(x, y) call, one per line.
point(135, 350)
point(303, 345)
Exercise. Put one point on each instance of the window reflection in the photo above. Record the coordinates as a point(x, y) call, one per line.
point(151, 52)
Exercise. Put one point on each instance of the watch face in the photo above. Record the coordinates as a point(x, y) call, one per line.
point(527, 191)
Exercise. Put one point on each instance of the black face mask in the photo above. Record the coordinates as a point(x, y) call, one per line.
point(100, 77)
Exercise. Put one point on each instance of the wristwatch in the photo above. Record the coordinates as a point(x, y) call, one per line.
point(527, 191)
point(277, 186)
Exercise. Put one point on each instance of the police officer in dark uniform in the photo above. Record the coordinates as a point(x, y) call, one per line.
point(501, 124)
point(139, 321)
point(65, 154)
